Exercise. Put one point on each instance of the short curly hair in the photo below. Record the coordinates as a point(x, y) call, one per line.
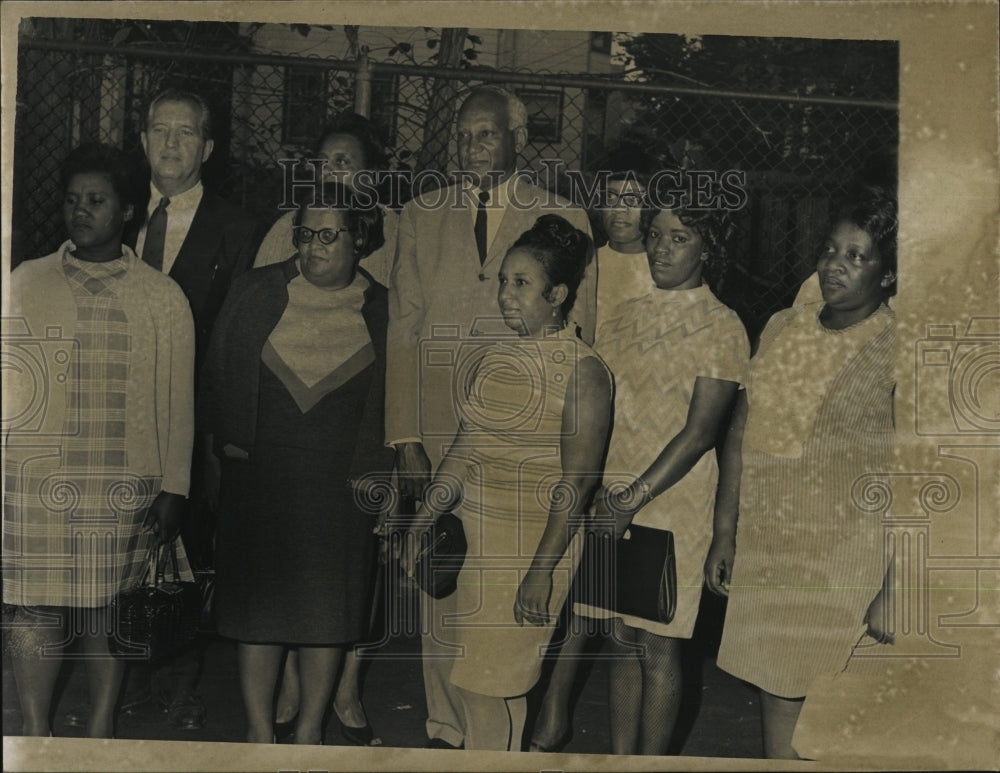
point(97, 158)
point(714, 226)
point(873, 209)
point(363, 130)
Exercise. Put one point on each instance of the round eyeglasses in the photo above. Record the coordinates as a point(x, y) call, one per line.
point(304, 234)
point(628, 200)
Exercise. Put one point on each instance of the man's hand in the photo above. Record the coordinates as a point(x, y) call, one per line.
point(164, 516)
point(413, 469)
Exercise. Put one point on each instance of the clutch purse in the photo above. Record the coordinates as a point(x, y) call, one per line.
point(156, 621)
point(442, 553)
point(635, 575)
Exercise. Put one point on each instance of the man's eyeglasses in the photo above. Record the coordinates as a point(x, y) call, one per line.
point(628, 199)
point(304, 234)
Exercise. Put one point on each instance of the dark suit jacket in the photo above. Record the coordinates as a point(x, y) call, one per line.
point(220, 245)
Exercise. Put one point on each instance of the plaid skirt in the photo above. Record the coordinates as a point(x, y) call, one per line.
point(72, 538)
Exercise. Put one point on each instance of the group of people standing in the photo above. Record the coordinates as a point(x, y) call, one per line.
point(576, 385)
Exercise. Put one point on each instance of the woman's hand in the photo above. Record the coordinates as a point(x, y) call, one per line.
point(532, 602)
point(719, 564)
point(619, 505)
point(164, 516)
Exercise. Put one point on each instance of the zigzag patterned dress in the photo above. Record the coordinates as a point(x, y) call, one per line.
point(656, 346)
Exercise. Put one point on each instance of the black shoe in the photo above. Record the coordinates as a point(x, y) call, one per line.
point(77, 716)
point(357, 736)
point(440, 743)
point(186, 711)
point(284, 731)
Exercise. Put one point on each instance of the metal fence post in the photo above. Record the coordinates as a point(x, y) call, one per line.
point(363, 87)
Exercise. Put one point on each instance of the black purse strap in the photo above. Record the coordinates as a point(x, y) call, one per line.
point(164, 551)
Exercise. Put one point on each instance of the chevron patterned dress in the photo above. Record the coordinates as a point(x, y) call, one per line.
point(657, 346)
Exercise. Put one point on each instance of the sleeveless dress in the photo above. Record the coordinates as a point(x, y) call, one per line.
point(513, 420)
point(809, 558)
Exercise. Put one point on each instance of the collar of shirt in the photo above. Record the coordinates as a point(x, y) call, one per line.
point(180, 213)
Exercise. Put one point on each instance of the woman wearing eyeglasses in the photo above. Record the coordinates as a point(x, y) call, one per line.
point(293, 386)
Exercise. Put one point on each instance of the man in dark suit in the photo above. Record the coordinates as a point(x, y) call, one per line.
point(203, 242)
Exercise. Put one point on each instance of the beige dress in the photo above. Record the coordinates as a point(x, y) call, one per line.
point(809, 557)
point(513, 420)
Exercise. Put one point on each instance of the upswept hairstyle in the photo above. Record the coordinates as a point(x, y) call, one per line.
point(188, 97)
point(93, 157)
point(873, 209)
point(563, 251)
point(363, 223)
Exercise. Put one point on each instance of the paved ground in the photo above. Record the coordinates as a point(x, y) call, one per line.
point(720, 717)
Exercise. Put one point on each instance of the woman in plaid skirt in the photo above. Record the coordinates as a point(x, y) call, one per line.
point(98, 428)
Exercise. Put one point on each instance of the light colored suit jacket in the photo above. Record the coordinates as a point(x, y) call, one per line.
point(443, 305)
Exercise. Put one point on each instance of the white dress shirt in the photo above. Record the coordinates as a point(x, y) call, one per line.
point(180, 213)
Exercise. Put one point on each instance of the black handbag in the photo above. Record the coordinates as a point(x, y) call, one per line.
point(441, 555)
point(156, 621)
point(635, 575)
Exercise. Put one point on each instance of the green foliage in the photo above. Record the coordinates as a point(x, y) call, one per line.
point(758, 135)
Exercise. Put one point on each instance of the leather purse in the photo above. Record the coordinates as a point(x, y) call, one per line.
point(635, 575)
point(156, 621)
point(442, 553)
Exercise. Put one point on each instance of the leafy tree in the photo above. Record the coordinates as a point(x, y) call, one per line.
point(756, 134)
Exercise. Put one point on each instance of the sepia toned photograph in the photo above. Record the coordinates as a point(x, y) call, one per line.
point(606, 389)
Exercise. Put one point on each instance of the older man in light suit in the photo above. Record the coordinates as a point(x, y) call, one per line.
point(442, 301)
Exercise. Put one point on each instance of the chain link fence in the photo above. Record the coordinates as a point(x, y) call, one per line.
point(797, 153)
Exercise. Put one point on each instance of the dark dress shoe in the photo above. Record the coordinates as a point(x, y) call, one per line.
point(186, 712)
point(284, 731)
point(358, 736)
point(440, 743)
point(77, 716)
